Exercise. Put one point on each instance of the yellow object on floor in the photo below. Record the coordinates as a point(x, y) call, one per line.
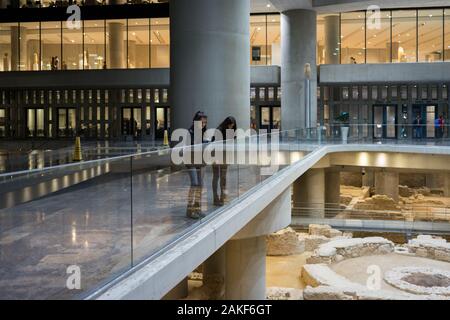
point(166, 138)
point(77, 156)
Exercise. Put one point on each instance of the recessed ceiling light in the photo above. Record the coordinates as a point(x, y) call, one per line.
point(268, 5)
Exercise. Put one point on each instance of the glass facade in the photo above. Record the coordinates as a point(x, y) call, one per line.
point(265, 36)
point(96, 44)
point(398, 36)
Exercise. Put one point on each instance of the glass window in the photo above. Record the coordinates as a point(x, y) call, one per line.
point(404, 92)
point(430, 35)
point(258, 38)
point(353, 38)
point(30, 51)
point(320, 39)
point(374, 92)
point(345, 94)
point(5, 47)
point(2, 122)
point(50, 45)
point(116, 39)
point(138, 43)
point(273, 40)
point(404, 40)
point(94, 44)
point(72, 48)
point(160, 43)
point(379, 40)
point(447, 34)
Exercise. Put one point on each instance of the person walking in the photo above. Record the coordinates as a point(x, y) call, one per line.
point(195, 170)
point(227, 129)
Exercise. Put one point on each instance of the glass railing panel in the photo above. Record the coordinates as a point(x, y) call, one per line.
point(65, 243)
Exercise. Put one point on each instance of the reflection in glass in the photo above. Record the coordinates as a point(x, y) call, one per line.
point(430, 35)
point(404, 40)
point(273, 40)
point(94, 44)
point(379, 40)
point(5, 46)
point(258, 38)
point(138, 43)
point(447, 34)
point(2, 122)
point(50, 45)
point(160, 43)
point(72, 48)
point(30, 34)
point(353, 38)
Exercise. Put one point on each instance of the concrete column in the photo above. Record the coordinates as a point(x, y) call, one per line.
point(246, 269)
point(116, 45)
point(332, 39)
point(447, 185)
point(386, 183)
point(332, 189)
point(309, 192)
point(18, 42)
point(210, 61)
point(214, 270)
point(298, 41)
point(434, 180)
point(368, 179)
point(179, 292)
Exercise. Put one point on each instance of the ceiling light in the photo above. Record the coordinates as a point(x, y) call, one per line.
point(268, 5)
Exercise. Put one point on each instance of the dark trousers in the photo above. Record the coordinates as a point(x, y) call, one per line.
point(219, 179)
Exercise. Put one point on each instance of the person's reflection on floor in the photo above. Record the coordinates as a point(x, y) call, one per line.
point(227, 129)
point(196, 170)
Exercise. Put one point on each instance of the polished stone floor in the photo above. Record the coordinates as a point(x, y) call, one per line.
point(90, 225)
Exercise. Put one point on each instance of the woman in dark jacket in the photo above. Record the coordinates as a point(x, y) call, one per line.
point(196, 170)
point(227, 128)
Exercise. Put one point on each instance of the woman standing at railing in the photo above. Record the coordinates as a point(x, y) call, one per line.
point(227, 131)
point(196, 170)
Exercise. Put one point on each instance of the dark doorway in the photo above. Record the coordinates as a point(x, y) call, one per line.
point(270, 118)
point(162, 121)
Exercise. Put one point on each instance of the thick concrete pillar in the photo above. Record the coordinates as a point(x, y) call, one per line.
point(446, 184)
point(298, 41)
point(368, 179)
point(116, 45)
point(309, 193)
point(18, 48)
point(332, 39)
point(246, 269)
point(386, 183)
point(210, 61)
point(214, 270)
point(332, 189)
point(179, 292)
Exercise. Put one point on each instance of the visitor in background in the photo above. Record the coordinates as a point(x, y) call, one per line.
point(196, 170)
point(417, 127)
point(441, 126)
point(437, 128)
point(227, 129)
